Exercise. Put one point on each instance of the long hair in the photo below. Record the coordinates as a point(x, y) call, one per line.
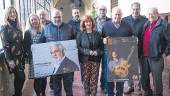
point(6, 17)
point(29, 26)
point(82, 23)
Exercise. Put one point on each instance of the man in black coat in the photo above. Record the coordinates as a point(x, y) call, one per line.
point(155, 42)
point(136, 21)
point(116, 28)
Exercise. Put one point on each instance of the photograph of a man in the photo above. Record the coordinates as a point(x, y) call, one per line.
point(61, 63)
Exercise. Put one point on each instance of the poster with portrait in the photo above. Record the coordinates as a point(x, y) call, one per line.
point(123, 58)
point(54, 58)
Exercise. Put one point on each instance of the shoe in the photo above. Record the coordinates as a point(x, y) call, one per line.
point(130, 90)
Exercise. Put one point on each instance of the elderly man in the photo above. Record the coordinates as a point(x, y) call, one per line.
point(155, 40)
point(116, 28)
point(59, 31)
point(136, 21)
point(42, 14)
point(100, 20)
point(75, 21)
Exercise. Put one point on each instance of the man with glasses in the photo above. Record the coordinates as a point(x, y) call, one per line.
point(100, 20)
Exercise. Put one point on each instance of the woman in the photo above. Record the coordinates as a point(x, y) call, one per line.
point(12, 41)
point(89, 44)
point(33, 35)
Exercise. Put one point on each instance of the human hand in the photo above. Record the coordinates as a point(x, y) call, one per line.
point(11, 64)
point(91, 52)
point(95, 53)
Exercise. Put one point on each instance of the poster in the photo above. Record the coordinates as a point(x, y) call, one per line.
point(54, 58)
point(123, 58)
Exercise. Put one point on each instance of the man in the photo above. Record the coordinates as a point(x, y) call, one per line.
point(136, 21)
point(62, 64)
point(100, 20)
point(59, 31)
point(116, 28)
point(75, 21)
point(155, 40)
point(42, 14)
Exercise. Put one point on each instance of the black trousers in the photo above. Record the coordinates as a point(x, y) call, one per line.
point(19, 78)
point(119, 88)
point(154, 66)
point(67, 79)
point(40, 86)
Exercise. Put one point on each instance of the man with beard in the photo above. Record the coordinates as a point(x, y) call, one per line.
point(75, 21)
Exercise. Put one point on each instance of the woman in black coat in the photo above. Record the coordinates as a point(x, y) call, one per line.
point(12, 41)
point(89, 44)
point(33, 35)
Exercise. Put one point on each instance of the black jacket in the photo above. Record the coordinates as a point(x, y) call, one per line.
point(84, 46)
point(12, 41)
point(136, 24)
point(28, 41)
point(159, 40)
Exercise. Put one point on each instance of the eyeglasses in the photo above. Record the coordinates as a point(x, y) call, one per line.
point(57, 17)
point(102, 9)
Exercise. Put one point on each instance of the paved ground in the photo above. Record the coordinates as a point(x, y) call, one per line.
point(77, 88)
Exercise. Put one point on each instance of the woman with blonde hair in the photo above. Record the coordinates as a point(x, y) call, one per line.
point(33, 35)
point(89, 44)
point(12, 41)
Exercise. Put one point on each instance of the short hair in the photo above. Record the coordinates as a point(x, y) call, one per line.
point(117, 9)
point(60, 46)
point(86, 18)
point(135, 3)
point(41, 10)
point(75, 8)
point(102, 6)
point(154, 9)
point(56, 10)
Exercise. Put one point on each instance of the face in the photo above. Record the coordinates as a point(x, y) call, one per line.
point(152, 15)
point(88, 24)
point(56, 52)
point(42, 16)
point(57, 18)
point(117, 15)
point(135, 11)
point(34, 20)
point(114, 54)
point(102, 11)
point(76, 14)
point(12, 15)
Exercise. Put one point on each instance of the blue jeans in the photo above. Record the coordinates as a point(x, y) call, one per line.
point(67, 82)
point(103, 78)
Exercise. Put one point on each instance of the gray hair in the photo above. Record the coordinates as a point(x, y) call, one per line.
point(135, 3)
point(60, 46)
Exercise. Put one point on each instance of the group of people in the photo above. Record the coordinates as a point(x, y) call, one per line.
point(153, 35)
